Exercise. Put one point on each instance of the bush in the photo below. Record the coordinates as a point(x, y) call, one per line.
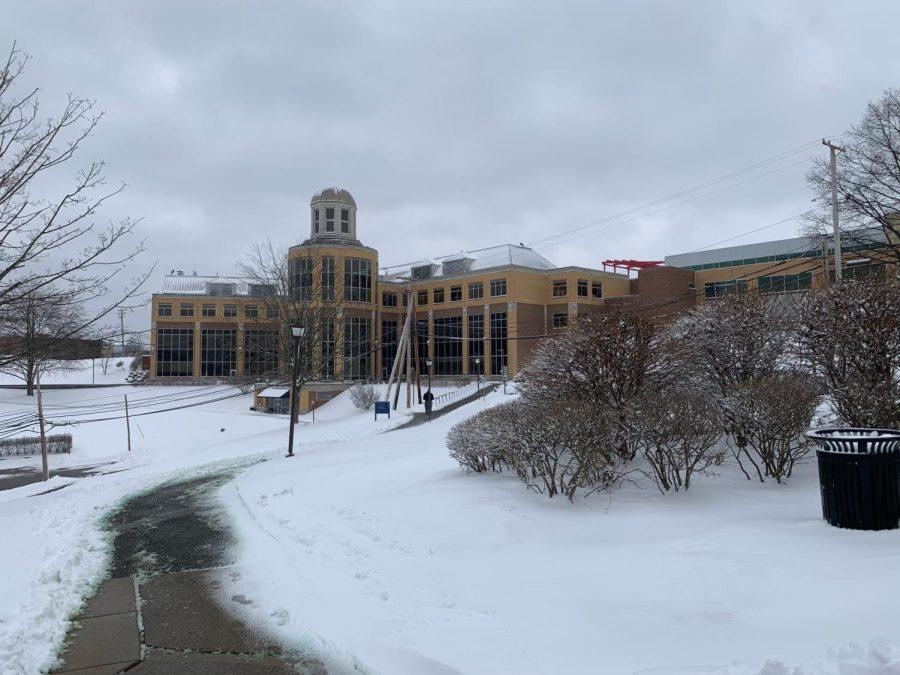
point(678, 432)
point(772, 416)
point(363, 395)
point(555, 448)
point(850, 336)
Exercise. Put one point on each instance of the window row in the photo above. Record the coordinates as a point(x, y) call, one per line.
point(561, 288)
point(210, 311)
point(475, 291)
point(329, 218)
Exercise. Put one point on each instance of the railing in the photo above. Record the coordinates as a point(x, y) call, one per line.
point(456, 394)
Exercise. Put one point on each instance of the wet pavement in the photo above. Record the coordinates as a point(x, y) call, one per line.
point(160, 609)
point(19, 476)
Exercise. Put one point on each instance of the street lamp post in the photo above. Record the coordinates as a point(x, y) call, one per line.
point(297, 332)
point(478, 375)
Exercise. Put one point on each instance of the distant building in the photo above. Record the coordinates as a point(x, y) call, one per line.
point(475, 311)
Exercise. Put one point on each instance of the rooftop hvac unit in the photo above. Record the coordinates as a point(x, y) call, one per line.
point(220, 288)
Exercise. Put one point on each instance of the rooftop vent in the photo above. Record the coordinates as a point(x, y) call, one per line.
point(423, 271)
point(457, 266)
point(220, 288)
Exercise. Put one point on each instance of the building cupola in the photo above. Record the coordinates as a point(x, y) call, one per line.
point(333, 215)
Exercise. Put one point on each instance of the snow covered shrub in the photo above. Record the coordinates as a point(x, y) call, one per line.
point(363, 395)
point(678, 432)
point(480, 442)
point(602, 360)
point(563, 446)
point(850, 335)
point(772, 414)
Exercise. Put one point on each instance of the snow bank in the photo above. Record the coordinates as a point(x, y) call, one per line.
point(79, 372)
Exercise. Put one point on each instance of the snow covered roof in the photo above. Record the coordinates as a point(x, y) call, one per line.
point(333, 194)
point(194, 284)
point(482, 259)
point(274, 392)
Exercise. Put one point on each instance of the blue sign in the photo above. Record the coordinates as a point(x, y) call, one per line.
point(382, 408)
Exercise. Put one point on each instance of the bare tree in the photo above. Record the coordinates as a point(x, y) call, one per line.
point(363, 395)
point(868, 177)
point(35, 327)
point(850, 336)
point(678, 432)
point(300, 291)
point(53, 242)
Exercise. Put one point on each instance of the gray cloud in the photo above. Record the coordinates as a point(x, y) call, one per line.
point(455, 125)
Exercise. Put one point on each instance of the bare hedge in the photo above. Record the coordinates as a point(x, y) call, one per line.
point(31, 445)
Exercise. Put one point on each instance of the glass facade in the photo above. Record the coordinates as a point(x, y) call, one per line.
point(719, 289)
point(260, 351)
point(476, 343)
point(780, 283)
point(357, 348)
point(390, 338)
point(174, 352)
point(328, 277)
point(498, 342)
point(302, 279)
point(357, 280)
point(218, 352)
point(328, 348)
point(448, 346)
point(420, 332)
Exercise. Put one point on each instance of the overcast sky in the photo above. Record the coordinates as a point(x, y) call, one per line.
point(457, 125)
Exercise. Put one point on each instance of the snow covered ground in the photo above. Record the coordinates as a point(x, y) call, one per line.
point(375, 550)
point(79, 372)
point(54, 551)
point(384, 551)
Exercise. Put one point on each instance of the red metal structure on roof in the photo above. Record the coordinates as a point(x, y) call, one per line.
point(630, 265)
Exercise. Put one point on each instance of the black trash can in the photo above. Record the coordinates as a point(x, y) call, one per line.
point(859, 477)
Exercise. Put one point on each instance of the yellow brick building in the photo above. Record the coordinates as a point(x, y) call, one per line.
point(475, 311)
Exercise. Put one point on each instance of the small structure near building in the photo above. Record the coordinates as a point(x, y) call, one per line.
point(273, 400)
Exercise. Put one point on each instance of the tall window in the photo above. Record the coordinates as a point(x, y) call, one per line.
point(389, 340)
point(345, 221)
point(186, 310)
point(302, 278)
point(596, 289)
point(357, 280)
point(448, 346)
point(559, 288)
point(217, 352)
point(718, 289)
point(316, 221)
point(260, 351)
point(174, 352)
point(207, 310)
point(389, 299)
point(476, 343)
point(582, 288)
point(455, 293)
point(328, 277)
point(329, 219)
point(476, 291)
point(560, 320)
point(498, 287)
point(420, 332)
point(357, 357)
point(438, 295)
point(326, 370)
point(164, 309)
point(421, 297)
point(498, 342)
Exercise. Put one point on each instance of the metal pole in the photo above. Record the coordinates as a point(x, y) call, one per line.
point(127, 423)
point(834, 149)
point(44, 460)
point(293, 399)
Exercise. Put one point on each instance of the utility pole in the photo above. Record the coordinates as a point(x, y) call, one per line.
point(127, 423)
point(834, 150)
point(40, 404)
point(122, 324)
